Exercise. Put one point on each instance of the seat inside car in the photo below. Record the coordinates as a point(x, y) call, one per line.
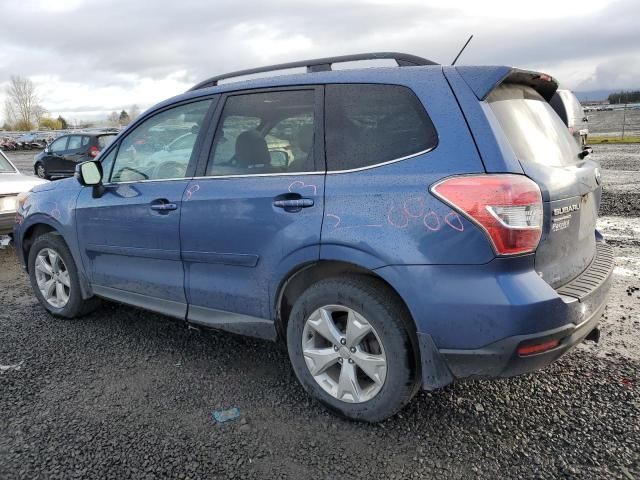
point(251, 151)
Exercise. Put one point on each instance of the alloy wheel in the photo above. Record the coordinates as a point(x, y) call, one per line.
point(40, 171)
point(52, 277)
point(344, 354)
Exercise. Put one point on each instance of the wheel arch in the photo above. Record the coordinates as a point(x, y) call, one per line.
point(39, 228)
point(302, 277)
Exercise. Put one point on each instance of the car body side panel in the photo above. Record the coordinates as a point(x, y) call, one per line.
point(53, 206)
point(497, 154)
point(386, 216)
point(470, 306)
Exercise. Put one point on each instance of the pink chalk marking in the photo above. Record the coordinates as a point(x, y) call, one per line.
point(55, 213)
point(432, 221)
point(394, 221)
point(337, 219)
point(299, 185)
point(414, 207)
point(191, 190)
point(455, 218)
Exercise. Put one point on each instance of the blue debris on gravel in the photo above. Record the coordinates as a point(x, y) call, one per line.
point(222, 416)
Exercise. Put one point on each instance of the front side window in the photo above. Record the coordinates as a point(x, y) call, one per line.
point(149, 153)
point(59, 146)
point(270, 132)
point(371, 124)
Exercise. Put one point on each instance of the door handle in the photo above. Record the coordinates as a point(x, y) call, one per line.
point(163, 206)
point(294, 203)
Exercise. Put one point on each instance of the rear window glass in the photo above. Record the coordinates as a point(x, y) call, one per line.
point(105, 140)
point(371, 124)
point(536, 133)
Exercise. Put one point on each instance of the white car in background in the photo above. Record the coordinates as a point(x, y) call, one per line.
point(12, 183)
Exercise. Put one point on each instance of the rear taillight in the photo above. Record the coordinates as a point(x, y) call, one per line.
point(507, 207)
point(93, 152)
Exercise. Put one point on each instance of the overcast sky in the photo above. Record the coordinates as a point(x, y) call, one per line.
point(90, 57)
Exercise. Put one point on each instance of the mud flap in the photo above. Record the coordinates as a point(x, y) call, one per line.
point(435, 372)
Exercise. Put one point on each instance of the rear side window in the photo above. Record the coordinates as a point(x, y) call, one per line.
point(532, 127)
point(104, 140)
point(85, 141)
point(74, 142)
point(372, 124)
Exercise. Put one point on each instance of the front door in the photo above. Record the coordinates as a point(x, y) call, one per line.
point(54, 160)
point(130, 236)
point(256, 211)
point(73, 154)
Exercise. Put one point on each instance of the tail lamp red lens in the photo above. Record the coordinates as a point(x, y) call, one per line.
point(507, 207)
point(525, 350)
point(93, 152)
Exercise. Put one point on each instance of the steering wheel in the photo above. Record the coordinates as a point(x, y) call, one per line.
point(170, 169)
point(142, 174)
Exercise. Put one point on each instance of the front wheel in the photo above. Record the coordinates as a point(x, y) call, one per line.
point(54, 278)
point(41, 172)
point(350, 347)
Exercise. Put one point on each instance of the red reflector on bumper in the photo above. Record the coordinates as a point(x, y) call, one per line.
point(537, 348)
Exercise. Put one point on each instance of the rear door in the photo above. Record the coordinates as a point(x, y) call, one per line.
point(255, 211)
point(570, 185)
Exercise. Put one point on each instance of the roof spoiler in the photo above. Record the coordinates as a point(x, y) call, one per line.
point(483, 80)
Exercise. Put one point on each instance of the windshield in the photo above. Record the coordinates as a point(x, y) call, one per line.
point(5, 166)
point(534, 130)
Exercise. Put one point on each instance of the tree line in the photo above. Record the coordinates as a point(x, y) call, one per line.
point(24, 110)
point(625, 97)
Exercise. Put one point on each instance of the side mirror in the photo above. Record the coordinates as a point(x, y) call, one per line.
point(89, 174)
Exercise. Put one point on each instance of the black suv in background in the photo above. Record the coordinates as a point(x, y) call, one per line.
point(61, 157)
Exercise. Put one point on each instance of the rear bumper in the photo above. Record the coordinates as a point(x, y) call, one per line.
point(7, 221)
point(501, 359)
point(471, 320)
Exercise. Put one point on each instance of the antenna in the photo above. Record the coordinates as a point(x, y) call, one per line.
point(461, 50)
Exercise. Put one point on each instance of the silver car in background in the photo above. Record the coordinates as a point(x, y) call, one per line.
point(570, 110)
point(12, 183)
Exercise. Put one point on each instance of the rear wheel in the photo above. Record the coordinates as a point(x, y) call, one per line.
point(40, 171)
point(54, 278)
point(351, 349)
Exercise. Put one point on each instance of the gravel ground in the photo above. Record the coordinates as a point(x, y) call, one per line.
point(128, 394)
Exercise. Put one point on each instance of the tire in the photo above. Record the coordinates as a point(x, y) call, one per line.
point(75, 306)
point(40, 171)
point(389, 338)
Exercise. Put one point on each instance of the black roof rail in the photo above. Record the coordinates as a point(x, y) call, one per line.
point(321, 65)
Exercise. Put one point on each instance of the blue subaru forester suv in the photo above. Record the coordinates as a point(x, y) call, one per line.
point(397, 227)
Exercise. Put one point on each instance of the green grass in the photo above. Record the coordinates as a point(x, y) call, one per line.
point(593, 140)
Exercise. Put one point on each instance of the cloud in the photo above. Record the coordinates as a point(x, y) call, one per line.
point(111, 53)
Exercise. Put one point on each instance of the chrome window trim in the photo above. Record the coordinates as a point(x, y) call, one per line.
point(280, 174)
point(382, 164)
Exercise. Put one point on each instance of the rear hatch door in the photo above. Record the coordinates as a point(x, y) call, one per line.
point(569, 184)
